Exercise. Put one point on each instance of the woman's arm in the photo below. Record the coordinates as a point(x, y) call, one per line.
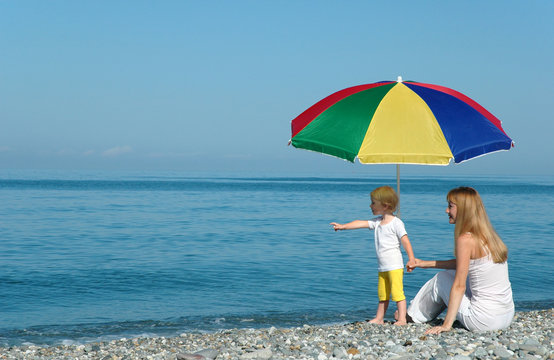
point(464, 246)
point(356, 224)
point(434, 264)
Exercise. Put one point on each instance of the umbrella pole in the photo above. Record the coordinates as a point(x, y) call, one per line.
point(398, 187)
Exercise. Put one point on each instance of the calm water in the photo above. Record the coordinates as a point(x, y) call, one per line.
point(88, 257)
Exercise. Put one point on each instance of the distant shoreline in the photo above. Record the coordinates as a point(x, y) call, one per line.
point(529, 335)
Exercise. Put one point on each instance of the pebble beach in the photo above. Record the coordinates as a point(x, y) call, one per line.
point(529, 337)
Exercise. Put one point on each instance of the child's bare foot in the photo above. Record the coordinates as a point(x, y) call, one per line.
point(376, 321)
point(408, 318)
point(400, 323)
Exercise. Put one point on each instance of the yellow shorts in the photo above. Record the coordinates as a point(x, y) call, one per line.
point(391, 285)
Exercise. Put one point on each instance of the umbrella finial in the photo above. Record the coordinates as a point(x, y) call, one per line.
point(399, 79)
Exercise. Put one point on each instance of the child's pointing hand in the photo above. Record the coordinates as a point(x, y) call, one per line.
point(337, 226)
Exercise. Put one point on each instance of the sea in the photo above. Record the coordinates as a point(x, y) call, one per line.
point(92, 256)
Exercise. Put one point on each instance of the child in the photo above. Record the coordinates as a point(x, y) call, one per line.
point(389, 234)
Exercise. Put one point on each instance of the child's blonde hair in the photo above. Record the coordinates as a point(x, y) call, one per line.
point(472, 217)
point(386, 196)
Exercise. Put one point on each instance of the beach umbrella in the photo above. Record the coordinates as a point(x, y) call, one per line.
point(399, 122)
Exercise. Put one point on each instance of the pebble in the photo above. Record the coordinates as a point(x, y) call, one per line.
point(529, 337)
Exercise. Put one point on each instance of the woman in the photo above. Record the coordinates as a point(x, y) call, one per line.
point(481, 263)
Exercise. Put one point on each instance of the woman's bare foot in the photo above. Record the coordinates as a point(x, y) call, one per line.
point(400, 323)
point(376, 321)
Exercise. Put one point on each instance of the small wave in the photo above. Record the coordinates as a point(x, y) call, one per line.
point(534, 305)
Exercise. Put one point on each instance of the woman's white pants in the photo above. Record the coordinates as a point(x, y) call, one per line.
point(433, 298)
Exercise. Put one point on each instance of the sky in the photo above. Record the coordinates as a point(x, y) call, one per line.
point(212, 86)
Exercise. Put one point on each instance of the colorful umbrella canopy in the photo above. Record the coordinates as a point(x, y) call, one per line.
point(395, 122)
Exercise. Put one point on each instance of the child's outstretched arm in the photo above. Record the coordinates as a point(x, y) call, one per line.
point(356, 224)
point(408, 248)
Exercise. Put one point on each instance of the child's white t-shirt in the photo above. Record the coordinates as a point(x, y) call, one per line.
point(387, 243)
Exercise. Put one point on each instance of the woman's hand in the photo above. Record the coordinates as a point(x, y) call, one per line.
point(438, 329)
point(412, 264)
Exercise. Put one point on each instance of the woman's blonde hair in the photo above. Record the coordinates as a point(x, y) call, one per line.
point(472, 217)
point(386, 196)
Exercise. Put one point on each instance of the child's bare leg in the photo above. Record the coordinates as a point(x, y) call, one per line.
point(381, 310)
point(400, 316)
